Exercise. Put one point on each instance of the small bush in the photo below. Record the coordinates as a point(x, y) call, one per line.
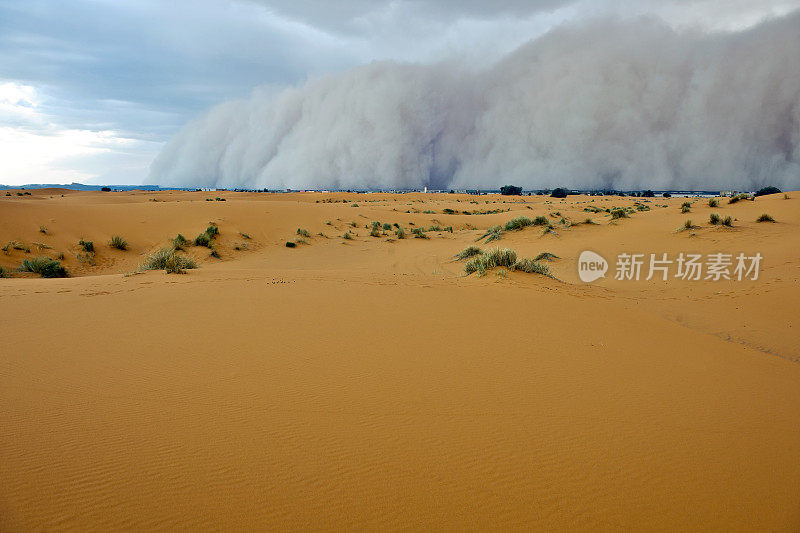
point(713, 203)
point(215, 253)
point(765, 218)
point(43, 230)
point(88, 246)
point(212, 231)
point(541, 221)
point(347, 236)
point(247, 236)
point(727, 221)
point(401, 233)
point(559, 192)
point(532, 267)
point(714, 219)
point(589, 221)
point(387, 226)
point(469, 251)
point(303, 233)
point(45, 267)
point(3, 272)
point(419, 233)
point(494, 233)
point(619, 213)
point(545, 256)
point(375, 232)
point(167, 259)
point(290, 244)
point(204, 239)
point(179, 242)
point(518, 223)
point(118, 242)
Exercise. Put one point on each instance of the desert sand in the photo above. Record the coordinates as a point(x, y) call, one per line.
point(370, 384)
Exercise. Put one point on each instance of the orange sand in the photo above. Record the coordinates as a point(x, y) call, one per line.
point(368, 384)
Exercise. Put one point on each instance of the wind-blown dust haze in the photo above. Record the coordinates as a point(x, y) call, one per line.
point(607, 104)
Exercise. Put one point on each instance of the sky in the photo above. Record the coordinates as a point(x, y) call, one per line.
point(92, 90)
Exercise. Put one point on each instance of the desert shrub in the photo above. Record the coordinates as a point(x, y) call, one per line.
point(204, 239)
point(468, 252)
point(688, 225)
point(648, 194)
point(589, 221)
point(545, 256)
point(215, 253)
point(347, 236)
point(212, 231)
point(786, 197)
point(60, 256)
point(118, 242)
point(714, 219)
point(667, 195)
point(504, 257)
point(45, 267)
point(303, 233)
point(713, 203)
point(419, 233)
point(448, 211)
point(387, 226)
point(88, 246)
point(494, 233)
point(401, 233)
point(353, 224)
point(532, 267)
point(559, 192)
point(290, 244)
point(619, 213)
point(86, 259)
point(727, 221)
point(685, 209)
point(767, 190)
point(375, 232)
point(165, 259)
point(765, 218)
point(179, 242)
point(3, 272)
point(738, 197)
point(518, 223)
point(43, 230)
point(435, 227)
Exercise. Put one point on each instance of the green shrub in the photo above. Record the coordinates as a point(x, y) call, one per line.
point(42, 229)
point(518, 223)
point(118, 242)
point(619, 213)
point(767, 190)
point(179, 242)
point(685, 208)
point(290, 244)
point(545, 256)
point(347, 236)
point(212, 231)
point(375, 232)
point(45, 267)
point(765, 218)
point(400, 232)
point(419, 233)
point(245, 235)
point(3, 272)
point(589, 221)
point(204, 239)
point(387, 226)
point(532, 267)
point(215, 253)
point(88, 246)
point(688, 225)
point(541, 221)
point(714, 219)
point(494, 233)
point(469, 251)
point(727, 221)
point(167, 259)
point(713, 203)
point(302, 232)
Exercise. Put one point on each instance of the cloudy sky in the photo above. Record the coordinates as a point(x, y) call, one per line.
point(90, 90)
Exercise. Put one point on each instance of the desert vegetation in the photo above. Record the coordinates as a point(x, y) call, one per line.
point(45, 267)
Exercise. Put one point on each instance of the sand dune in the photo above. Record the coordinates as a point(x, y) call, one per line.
point(370, 384)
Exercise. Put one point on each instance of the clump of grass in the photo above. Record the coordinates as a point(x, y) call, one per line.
point(86, 259)
point(212, 230)
point(419, 233)
point(118, 242)
point(545, 256)
point(713, 203)
point(88, 246)
point(179, 242)
point(303, 233)
point(727, 221)
point(619, 213)
point(43, 230)
point(494, 233)
point(353, 224)
point(532, 267)
point(290, 244)
point(215, 253)
point(590, 222)
point(167, 259)
point(45, 267)
point(687, 225)
point(347, 236)
point(765, 218)
point(786, 197)
point(3, 272)
point(387, 226)
point(518, 223)
point(541, 221)
point(469, 251)
point(686, 207)
point(247, 236)
point(738, 197)
point(714, 219)
point(60, 256)
point(400, 232)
